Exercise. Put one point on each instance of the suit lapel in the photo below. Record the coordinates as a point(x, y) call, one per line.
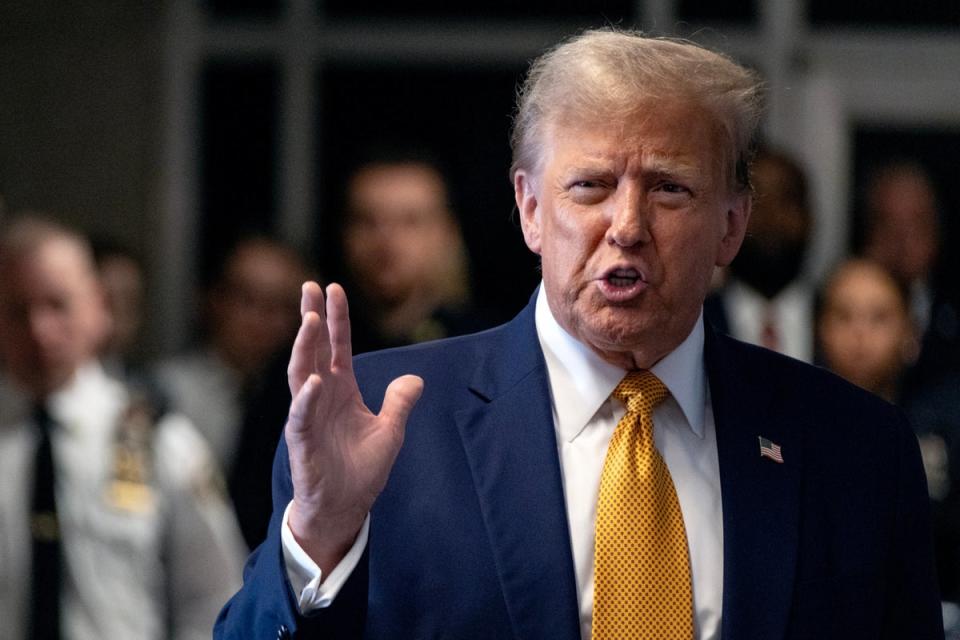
point(760, 496)
point(510, 442)
point(511, 445)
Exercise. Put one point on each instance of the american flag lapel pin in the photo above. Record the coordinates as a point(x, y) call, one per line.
point(769, 449)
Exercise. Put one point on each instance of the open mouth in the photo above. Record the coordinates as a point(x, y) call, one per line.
point(623, 277)
point(622, 284)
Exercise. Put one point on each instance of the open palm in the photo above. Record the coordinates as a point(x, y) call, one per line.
point(340, 452)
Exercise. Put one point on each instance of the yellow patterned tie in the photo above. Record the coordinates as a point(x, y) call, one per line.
point(642, 567)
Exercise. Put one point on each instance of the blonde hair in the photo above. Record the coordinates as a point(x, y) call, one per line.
point(609, 74)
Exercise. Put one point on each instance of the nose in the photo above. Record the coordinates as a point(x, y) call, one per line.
point(630, 221)
point(859, 332)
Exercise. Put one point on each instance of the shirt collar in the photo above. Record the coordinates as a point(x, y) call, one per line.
point(795, 293)
point(88, 393)
point(581, 382)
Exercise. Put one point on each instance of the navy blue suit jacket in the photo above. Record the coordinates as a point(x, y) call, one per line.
point(469, 539)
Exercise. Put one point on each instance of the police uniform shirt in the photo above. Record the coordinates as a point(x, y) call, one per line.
point(151, 547)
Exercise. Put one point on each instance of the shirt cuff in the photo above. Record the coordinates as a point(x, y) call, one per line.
point(307, 580)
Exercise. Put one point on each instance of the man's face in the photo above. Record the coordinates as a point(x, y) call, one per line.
point(904, 237)
point(629, 221)
point(776, 242)
point(256, 310)
point(398, 231)
point(52, 315)
point(778, 218)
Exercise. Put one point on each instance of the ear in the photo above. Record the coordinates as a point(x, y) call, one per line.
point(527, 205)
point(734, 227)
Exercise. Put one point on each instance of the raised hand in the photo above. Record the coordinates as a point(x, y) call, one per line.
point(340, 453)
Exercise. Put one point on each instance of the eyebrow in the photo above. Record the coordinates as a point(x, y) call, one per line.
point(589, 170)
point(665, 165)
point(653, 165)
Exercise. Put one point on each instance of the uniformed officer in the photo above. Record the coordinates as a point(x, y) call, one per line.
point(113, 520)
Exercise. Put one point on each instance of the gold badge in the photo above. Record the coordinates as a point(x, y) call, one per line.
point(129, 487)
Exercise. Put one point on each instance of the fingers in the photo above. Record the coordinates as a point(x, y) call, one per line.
point(400, 398)
point(303, 405)
point(338, 324)
point(321, 347)
point(302, 355)
point(311, 298)
point(311, 348)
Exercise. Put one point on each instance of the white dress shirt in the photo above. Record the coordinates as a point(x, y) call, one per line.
point(585, 417)
point(158, 568)
point(790, 311)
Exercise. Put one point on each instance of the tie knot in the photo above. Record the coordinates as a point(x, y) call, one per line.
point(641, 391)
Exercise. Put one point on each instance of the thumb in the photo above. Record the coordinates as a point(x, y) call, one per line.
point(400, 398)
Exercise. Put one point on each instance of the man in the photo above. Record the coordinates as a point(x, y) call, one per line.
point(766, 300)
point(902, 232)
point(112, 520)
point(228, 386)
point(404, 252)
point(527, 500)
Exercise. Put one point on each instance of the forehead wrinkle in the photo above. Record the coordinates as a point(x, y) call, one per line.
point(589, 156)
point(642, 148)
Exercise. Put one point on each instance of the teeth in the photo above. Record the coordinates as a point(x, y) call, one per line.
point(623, 277)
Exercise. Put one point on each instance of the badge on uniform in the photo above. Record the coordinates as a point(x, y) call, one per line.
point(130, 485)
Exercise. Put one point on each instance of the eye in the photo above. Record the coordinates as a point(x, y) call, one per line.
point(588, 190)
point(672, 187)
point(585, 184)
point(671, 193)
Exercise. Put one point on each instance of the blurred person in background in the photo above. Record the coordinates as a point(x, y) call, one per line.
point(113, 520)
point(864, 328)
point(224, 386)
point(765, 300)
point(405, 254)
point(902, 232)
point(867, 335)
point(123, 278)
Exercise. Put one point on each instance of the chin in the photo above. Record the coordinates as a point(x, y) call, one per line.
point(613, 335)
point(646, 332)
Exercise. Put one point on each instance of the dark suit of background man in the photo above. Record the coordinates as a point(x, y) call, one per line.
point(465, 507)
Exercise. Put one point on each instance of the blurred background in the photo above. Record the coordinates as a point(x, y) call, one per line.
point(175, 127)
